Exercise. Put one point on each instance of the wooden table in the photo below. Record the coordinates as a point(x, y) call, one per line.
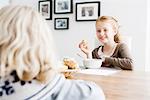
point(124, 85)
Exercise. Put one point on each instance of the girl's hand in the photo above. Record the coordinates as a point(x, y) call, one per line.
point(83, 45)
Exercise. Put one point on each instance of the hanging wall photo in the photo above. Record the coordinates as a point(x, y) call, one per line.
point(87, 11)
point(61, 23)
point(45, 9)
point(63, 6)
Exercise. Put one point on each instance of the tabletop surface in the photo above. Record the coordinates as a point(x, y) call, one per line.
point(124, 85)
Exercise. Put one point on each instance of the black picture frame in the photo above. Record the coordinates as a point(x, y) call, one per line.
point(88, 11)
point(45, 9)
point(63, 6)
point(61, 23)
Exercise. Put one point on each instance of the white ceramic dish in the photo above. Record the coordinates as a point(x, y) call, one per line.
point(92, 63)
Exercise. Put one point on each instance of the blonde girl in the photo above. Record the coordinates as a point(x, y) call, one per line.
point(112, 51)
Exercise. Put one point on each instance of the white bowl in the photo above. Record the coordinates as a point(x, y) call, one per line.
point(92, 63)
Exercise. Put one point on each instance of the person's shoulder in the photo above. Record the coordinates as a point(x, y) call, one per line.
point(122, 44)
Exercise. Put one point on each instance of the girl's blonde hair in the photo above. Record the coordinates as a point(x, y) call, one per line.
point(25, 43)
point(114, 22)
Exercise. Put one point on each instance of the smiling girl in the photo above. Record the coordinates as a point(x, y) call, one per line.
point(112, 51)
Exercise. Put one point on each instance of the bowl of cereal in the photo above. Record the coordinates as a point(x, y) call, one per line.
point(92, 63)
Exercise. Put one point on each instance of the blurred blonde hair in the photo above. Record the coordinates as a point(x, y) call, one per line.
point(25, 43)
point(114, 23)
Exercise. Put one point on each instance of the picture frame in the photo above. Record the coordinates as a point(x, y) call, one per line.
point(61, 23)
point(45, 9)
point(63, 6)
point(87, 11)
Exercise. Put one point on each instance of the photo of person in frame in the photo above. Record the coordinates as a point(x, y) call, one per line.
point(62, 5)
point(87, 11)
point(44, 9)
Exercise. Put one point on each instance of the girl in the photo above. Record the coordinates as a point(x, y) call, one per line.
point(112, 51)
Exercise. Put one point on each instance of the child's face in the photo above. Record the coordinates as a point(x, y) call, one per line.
point(105, 32)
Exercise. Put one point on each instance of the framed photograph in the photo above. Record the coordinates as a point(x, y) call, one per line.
point(61, 23)
point(87, 11)
point(45, 8)
point(63, 6)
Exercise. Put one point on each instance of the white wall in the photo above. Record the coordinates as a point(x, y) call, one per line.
point(4, 3)
point(132, 15)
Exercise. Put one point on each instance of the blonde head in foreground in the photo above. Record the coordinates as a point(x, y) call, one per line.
point(25, 44)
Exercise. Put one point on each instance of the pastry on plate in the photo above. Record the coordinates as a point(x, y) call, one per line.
point(72, 66)
point(71, 63)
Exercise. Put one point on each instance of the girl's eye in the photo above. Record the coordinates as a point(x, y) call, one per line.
point(105, 30)
point(98, 31)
